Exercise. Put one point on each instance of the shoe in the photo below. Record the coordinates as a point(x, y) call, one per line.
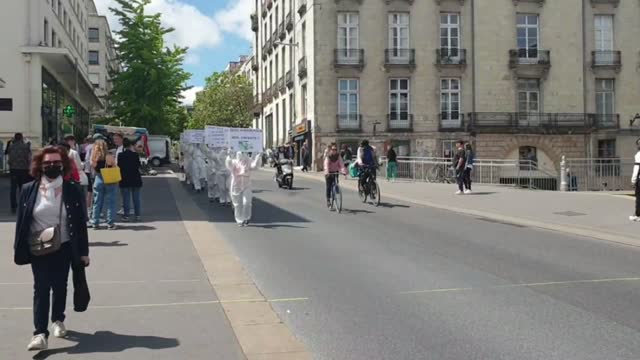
point(125, 219)
point(328, 203)
point(121, 212)
point(111, 227)
point(94, 226)
point(459, 192)
point(634, 218)
point(240, 224)
point(38, 343)
point(467, 191)
point(58, 329)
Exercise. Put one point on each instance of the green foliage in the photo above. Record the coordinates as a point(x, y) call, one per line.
point(147, 92)
point(225, 101)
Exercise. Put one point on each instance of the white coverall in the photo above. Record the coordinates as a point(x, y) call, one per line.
point(212, 169)
point(223, 178)
point(199, 169)
point(241, 193)
point(186, 150)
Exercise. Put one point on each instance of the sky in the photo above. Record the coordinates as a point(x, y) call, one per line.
point(215, 31)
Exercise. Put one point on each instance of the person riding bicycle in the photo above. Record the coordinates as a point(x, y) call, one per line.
point(366, 159)
point(332, 165)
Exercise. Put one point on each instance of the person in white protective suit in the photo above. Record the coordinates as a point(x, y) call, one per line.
point(241, 193)
point(199, 168)
point(212, 169)
point(223, 178)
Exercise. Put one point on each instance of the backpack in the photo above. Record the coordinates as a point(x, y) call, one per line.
point(367, 156)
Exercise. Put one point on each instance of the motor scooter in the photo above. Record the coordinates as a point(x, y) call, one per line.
point(284, 173)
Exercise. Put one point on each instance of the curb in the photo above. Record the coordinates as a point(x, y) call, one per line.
point(571, 230)
point(257, 327)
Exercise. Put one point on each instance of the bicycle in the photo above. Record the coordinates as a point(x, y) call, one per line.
point(370, 186)
point(336, 193)
point(441, 173)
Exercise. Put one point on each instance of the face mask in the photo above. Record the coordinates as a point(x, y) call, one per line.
point(53, 171)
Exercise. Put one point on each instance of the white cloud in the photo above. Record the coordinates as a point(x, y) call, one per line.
point(192, 58)
point(235, 18)
point(189, 96)
point(192, 28)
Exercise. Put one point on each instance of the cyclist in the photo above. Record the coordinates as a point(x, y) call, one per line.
point(366, 159)
point(333, 166)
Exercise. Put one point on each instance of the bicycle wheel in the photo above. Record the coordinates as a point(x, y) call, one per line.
point(362, 192)
point(433, 174)
point(375, 193)
point(337, 196)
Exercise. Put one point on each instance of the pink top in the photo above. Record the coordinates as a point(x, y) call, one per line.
point(333, 166)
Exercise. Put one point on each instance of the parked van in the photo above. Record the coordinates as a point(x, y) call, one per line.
point(160, 150)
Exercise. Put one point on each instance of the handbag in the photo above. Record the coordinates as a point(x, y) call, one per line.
point(49, 240)
point(111, 175)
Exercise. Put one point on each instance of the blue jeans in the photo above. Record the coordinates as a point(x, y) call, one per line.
point(104, 193)
point(128, 194)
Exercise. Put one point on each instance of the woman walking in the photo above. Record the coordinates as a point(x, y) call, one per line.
point(103, 193)
point(392, 164)
point(469, 156)
point(50, 205)
point(129, 164)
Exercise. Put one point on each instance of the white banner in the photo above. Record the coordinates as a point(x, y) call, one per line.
point(245, 140)
point(216, 136)
point(194, 136)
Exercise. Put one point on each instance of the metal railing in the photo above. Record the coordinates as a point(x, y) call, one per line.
point(302, 67)
point(451, 56)
point(529, 56)
point(348, 122)
point(399, 121)
point(451, 121)
point(531, 121)
point(349, 57)
point(289, 79)
point(607, 121)
point(289, 22)
point(282, 33)
point(400, 57)
point(606, 58)
point(599, 174)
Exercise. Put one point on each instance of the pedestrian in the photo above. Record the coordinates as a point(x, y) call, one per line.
point(19, 153)
point(468, 167)
point(223, 178)
point(212, 168)
point(241, 193)
point(52, 205)
point(88, 171)
point(635, 180)
point(459, 166)
point(103, 193)
point(71, 145)
point(346, 156)
point(131, 183)
point(392, 164)
point(199, 168)
point(306, 156)
point(333, 166)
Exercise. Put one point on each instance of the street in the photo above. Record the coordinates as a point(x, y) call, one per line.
point(403, 281)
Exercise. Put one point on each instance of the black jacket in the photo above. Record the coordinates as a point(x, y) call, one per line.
point(129, 164)
point(74, 202)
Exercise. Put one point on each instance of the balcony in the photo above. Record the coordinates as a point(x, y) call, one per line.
point(289, 79)
point(302, 67)
point(400, 58)
point(302, 7)
point(274, 42)
point(254, 65)
point(265, 48)
point(267, 97)
point(282, 87)
point(451, 122)
point(257, 105)
point(282, 33)
point(607, 121)
point(606, 60)
point(535, 123)
point(349, 58)
point(270, 46)
point(530, 62)
point(451, 57)
point(349, 122)
point(289, 22)
point(539, 2)
point(439, 2)
point(615, 3)
point(400, 122)
point(254, 22)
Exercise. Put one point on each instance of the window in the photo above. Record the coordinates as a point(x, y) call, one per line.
point(285, 124)
point(603, 26)
point(450, 101)
point(605, 99)
point(448, 148)
point(95, 79)
point(94, 35)
point(60, 8)
point(607, 164)
point(528, 156)
point(528, 101)
point(6, 104)
point(607, 148)
point(348, 103)
point(64, 19)
point(449, 35)
point(399, 35)
point(277, 64)
point(527, 33)
point(54, 38)
point(304, 101)
point(292, 111)
point(94, 58)
point(399, 100)
point(46, 32)
point(304, 39)
point(348, 41)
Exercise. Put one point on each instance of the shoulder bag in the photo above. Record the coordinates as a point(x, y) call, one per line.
point(49, 240)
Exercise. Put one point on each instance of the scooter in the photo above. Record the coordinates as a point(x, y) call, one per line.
point(284, 173)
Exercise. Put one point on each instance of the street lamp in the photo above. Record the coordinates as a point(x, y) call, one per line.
point(633, 120)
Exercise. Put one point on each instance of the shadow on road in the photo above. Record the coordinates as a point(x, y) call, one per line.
point(276, 226)
point(108, 342)
point(357, 211)
point(391, 206)
point(136, 227)
point(115, 243)
point(480, 193)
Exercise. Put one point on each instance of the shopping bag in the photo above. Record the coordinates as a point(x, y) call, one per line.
point(111, 175)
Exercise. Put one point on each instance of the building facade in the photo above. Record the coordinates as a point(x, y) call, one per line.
point(45, 68)
point(102, 59)
point(514, 77)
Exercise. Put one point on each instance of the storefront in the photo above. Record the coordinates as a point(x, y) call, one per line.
point(54, 124)
point(301, 133)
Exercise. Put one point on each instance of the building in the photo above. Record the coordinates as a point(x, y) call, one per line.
point(514, 77)
point(45, 68)
point(102, 57)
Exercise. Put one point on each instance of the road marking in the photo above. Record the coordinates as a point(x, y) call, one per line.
point(549, 283)
point(109, 282)
point(187, 303)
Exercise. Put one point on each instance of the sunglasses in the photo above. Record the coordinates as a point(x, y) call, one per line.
point(51, 163)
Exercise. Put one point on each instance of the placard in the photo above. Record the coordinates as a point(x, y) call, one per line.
point(216, 136)
point(245, 140)
point(194, 136)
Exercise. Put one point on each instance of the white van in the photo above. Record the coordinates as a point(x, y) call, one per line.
point(160, 149)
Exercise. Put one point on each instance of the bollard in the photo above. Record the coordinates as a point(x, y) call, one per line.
point(563, 174)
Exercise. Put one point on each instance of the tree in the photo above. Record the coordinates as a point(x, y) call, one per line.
point(225, 101)
point(147, 92)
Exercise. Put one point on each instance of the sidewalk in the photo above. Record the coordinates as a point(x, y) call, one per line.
point(598, 215)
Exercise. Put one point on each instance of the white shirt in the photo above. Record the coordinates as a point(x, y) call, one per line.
point(636, 168)
point(119, 149)
point(46, 210)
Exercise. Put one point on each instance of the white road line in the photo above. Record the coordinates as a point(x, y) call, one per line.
point(537, 284)
point(110, 282)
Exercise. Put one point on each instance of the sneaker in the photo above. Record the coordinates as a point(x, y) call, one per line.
point(125, 219)
point(111, 227)
point(468, 191)
point(634, 218)
point(121, 212)
point(94, 226)
point(459, 192)
point(38, 343)
point(58, 329)
point(328, 203)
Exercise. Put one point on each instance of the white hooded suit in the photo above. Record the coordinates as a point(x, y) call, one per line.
point(223, 178)
point(241, 193)
point(198, 168)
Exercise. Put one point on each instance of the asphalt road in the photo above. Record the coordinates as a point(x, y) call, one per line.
point(401, 281)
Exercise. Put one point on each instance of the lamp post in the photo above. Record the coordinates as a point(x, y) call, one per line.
point(633, 120)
